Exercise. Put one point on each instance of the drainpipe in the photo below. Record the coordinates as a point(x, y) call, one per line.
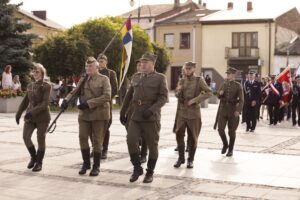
point(270, 34)
point(194, 43)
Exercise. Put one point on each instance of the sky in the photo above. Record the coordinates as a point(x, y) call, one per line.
point(70, 12)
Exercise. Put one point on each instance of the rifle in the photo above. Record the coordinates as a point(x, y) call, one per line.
point(52, 126)
point(217, 118)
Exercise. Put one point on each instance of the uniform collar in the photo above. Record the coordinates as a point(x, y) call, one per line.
point(192, 77)
point(92, 77)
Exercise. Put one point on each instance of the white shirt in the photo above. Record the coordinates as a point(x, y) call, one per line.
point(16, 86)
point(7, 82)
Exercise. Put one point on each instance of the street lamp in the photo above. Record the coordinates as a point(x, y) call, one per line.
point(131, 3)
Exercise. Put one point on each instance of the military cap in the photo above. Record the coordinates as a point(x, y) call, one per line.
point(137, 61)
point(230, 70)
point(298, 76)
point(190, 64)
point(149, 57)
point(91, 60)
point(252, 72)
point(102, 56)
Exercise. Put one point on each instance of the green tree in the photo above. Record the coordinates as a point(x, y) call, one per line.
point(63, 54)
point(15, 45)
point(100, 31)
point(163, 57)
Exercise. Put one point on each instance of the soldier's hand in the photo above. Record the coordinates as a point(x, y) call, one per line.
point(83, 106)
point(28, 116)
point(221, 92)
point(236, 114)
point(123, 119)
point(190, 102)
point(253, 103)
point(147, 113)
point(64, 105)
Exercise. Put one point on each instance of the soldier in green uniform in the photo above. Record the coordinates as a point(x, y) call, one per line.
point(148, 93)
point(111, 74)
point(191, 91)
point(36, 104)
point(94, 94)
point(231, 104)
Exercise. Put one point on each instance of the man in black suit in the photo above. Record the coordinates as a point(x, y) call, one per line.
point(252, 96)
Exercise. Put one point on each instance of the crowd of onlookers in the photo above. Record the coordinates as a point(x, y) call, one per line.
point(7, 80)
point(60, 87)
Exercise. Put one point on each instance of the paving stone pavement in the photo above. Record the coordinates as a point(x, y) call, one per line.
point(265, 164)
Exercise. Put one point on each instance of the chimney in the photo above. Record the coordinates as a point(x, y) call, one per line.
point(249, 6)
point(230, 6)
point(42, 14)
point(200, 2)
point(204, 5)
point(176, 3)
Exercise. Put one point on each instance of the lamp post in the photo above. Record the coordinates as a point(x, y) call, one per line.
point(132, 3)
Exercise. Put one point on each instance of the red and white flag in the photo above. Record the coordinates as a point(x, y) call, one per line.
point(285, 79)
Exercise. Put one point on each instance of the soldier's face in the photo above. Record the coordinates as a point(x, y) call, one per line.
point(251, 76)
point(146, 66)
point(91, 69)
point(189, 71)
point(230, 76)
point(37, 74)
point(102, 63)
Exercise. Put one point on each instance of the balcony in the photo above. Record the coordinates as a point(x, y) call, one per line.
point(241, 53)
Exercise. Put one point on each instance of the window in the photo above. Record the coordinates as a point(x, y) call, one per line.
point(185, 39)
point(169, 40)
point(244, 42)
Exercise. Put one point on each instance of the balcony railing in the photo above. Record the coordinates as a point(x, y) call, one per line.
point(242, 52)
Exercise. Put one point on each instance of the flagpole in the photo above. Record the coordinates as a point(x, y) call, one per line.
point(103, 52)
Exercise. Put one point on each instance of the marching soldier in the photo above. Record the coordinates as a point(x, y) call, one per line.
point(36, 104)
point(94, 94)
point(252, 97)
point(111, 74)
point(231, 105)
point(191, 91)
point(148, 93)
point(274, 100)
point(129, 110)
point(296, 101)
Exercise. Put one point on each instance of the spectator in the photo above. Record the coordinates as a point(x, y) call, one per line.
point(16, 83)
point(7, 78)
point(55, 93)
point(207, 80)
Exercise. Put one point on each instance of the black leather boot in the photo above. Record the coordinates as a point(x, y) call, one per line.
point(150, 171)
point(32, 153)
point(231, 145)
point(225, 144)
point(39, 161)
point(137, 169)
point(85, 153)
point(190, 162)
point(181, 158)
point(95, 171)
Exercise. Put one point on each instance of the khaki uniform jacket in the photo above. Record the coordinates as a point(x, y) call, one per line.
point(96, 91)
point(191, 91)
point(111, 74)
point(36, 101)
point(232, 100)
point(147, 91)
